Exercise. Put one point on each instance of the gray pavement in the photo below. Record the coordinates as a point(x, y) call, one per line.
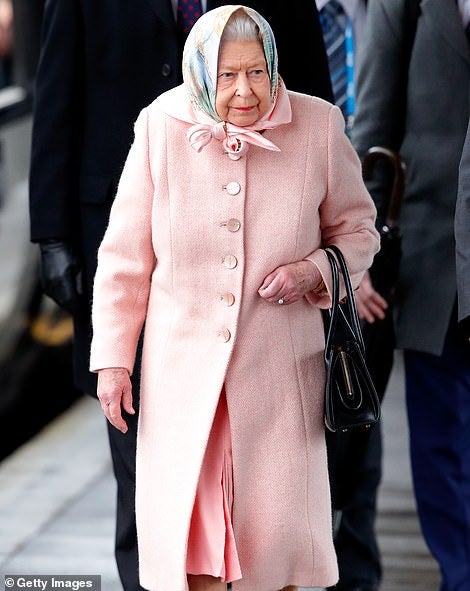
point(57, 502)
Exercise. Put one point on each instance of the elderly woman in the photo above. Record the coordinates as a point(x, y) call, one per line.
point(231, 188)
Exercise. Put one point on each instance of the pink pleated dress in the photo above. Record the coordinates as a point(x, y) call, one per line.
point(211, 543)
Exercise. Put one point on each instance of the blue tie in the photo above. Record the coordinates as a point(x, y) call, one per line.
point(333, 22)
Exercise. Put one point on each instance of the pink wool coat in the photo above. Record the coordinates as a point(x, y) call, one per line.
point(190, 239)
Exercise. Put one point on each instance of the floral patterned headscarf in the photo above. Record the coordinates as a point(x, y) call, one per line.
point(194, 101)
point(201, 53)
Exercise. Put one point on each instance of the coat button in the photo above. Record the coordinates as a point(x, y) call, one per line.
point(166, 70)
point(233, 188)
point(224, 335)
point(230, 261)
point(228, 298)
point(233, 225)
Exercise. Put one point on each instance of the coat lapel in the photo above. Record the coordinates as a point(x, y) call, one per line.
point(447, 21)
point(163, 10)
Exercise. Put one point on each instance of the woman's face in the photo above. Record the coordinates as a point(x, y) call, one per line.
point(243, 85)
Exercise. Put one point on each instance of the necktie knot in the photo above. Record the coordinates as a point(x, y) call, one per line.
point(332, 9)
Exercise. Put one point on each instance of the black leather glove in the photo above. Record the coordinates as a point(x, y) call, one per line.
point(61, 276)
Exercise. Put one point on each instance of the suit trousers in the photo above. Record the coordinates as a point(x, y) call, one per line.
point(438, 405)
point(123, 448)
point(355, 541)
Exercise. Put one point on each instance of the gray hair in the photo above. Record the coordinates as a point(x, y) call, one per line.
point(241, 27)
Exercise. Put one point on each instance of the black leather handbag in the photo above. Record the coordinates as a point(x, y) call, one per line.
point(351, 400)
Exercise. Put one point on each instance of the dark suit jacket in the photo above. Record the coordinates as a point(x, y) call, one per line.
point(101, 62)
point(426, 120)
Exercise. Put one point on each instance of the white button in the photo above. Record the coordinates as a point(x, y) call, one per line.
point(230, 261)
point(233, 188)
point(233, 225)
point(228, 298)
point(224, 335)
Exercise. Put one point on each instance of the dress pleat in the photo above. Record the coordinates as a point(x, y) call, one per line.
point(211, 543)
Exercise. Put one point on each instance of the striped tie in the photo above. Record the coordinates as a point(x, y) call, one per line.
point(333, 21)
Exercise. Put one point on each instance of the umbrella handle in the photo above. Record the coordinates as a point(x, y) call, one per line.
point(399, 169)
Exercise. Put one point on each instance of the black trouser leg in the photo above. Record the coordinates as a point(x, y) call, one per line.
point(123, 448)
point(123, 452)
point(355, 541)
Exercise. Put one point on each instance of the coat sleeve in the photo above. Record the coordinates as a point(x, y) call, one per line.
point(347, 213)
point(57, 118)
point(462, 234)
point(125, 261)
point(382, 90)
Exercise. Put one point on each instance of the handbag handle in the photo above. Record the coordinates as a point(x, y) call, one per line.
point(335, 256)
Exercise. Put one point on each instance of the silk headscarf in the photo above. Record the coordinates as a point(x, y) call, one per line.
point(194, 101)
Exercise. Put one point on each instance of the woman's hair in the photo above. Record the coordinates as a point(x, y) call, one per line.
point(241, 27)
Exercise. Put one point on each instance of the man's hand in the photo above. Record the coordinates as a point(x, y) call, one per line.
point(370, 304)
point(61, 276)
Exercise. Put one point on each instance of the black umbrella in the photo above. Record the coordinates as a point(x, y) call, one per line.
point(384, 270)
point(379, 337)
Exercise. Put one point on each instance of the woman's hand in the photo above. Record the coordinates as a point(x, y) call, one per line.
point(290, 282)
point(370, 304)
point(114, 392)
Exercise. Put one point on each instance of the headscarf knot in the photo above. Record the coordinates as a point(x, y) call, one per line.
point(201, 134)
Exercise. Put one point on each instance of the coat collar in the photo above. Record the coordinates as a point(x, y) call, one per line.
point(448, 22)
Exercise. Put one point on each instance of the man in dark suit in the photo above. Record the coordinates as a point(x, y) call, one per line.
point(101, 62)
point(414, 98)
